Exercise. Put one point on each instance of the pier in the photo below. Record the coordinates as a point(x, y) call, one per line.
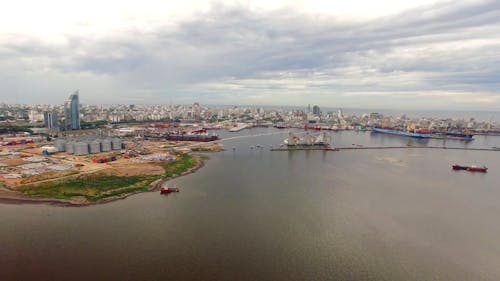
point(301, 148)
point(381, 147)
point(238, 127)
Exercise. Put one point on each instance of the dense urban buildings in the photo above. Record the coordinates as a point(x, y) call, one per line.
point(350, 119)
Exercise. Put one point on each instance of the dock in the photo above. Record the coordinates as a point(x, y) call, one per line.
point(297, 148)
point(382, 147)
point(239, 127)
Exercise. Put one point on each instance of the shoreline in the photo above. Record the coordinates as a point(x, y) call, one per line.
point(15, 197)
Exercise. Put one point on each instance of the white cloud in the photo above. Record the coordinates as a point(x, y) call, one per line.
point(58, 17)
point(338, 53)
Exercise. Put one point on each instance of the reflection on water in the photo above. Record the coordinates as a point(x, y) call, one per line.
point(261, 215)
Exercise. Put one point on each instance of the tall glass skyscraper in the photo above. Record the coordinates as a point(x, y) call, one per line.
point(72, 112)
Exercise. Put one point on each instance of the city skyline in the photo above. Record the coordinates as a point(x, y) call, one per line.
point(426, 55)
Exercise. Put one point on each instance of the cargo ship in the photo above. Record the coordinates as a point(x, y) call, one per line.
point(281, 126)
point(454, 136)
point(195, 135)
point(191, 137)
point(414, 134)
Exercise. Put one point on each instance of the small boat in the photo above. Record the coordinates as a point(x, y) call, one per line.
point(477, 169)
point(459, 167)
point(470, 168)
point(167, 190)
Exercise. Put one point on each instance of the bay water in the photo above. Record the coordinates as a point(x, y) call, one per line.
point(255, 214)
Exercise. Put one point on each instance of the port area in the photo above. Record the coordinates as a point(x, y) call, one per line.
point(359, 147)
point(28, 174)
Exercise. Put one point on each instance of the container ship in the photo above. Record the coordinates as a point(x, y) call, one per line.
point(454, 136)
point(414, 134)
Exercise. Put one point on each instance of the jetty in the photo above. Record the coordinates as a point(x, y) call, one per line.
point(293, 148)
point(358, 147)
point(238, 127)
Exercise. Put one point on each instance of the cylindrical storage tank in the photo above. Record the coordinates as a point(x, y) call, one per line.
point(60, 145)
point(116, 144)
point(105, 145)
point(95, 147)
point(69, 147)
point(81, 148)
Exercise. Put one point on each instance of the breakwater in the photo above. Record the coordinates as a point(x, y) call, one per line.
point(384, 147)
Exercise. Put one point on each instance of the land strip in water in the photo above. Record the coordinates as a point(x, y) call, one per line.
point(103, 186)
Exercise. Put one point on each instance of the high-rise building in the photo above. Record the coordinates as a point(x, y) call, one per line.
point(196, 111)
point(316, 110)
point(340, 114)
point(72, 112)
point(50, 120)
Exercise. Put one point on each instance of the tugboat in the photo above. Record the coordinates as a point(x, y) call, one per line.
point(459, 167)
point(168, 190)
point(483, 169)
point(477, 169)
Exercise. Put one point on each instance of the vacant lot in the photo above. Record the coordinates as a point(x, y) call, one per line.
point(116, 180)
point(134, 169)
point(91, 187)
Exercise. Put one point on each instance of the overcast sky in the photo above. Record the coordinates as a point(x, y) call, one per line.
point(366, 54)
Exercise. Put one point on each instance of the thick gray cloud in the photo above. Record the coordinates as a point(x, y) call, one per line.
point(440, 56)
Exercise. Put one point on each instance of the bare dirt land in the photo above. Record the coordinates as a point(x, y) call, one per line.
point(113, 181)
point(13, 161)
point(128, 169)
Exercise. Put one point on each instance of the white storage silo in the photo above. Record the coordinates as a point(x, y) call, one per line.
point(116, 144)
point(95, 146)
point(81, 148)
point(105, 145)
point(70, 147)
point(60, 145)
